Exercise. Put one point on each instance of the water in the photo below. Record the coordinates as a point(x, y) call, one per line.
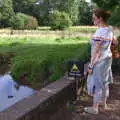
point(7, 89)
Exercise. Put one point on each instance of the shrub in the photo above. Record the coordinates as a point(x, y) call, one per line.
point(48, 66)
point(60, 20)
point(17, 22)
point(23, 21)
point(31, 23)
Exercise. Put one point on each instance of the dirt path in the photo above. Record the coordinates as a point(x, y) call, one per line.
point(113, 111)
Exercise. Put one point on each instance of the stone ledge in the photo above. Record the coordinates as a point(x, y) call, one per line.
point(44, 104)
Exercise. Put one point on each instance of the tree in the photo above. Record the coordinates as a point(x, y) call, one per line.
point(85, 13)
point(115, 18)
point(23, 6)
point(42, 8)
point(60, 20)
point(73, 10)
point(6, 12)
point(107, 4)
point(45, 7)
point(113, 6)
point(69, 6)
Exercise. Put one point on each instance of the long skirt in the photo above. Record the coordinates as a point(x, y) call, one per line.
point(98, 82)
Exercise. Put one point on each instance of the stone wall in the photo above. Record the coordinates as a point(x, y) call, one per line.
point(50, 103)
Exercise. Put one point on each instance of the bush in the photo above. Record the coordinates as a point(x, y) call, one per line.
point(60, 20)
point(48, 66)
point(17, 22)
point(31, 23)
point(22, 21)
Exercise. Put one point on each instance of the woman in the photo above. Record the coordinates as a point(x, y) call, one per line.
point(99, 69)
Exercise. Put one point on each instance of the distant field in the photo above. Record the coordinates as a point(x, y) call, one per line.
point(44, 32)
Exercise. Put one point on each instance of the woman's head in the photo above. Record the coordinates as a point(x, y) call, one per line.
point(100, 16)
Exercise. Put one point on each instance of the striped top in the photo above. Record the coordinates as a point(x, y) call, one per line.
point(105, 36)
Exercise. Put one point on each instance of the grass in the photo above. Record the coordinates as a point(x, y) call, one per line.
point(43, 58)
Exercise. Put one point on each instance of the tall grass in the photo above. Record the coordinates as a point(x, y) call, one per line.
point(43, 59)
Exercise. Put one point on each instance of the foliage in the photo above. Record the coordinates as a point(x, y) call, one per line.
point(115, 18)
point(60, 20)
point(22, 21)
point(41, 62)
point(73, 11)
point(85, 13)
point(107, 4)
point(23, 6)
point(41, 12)
point(31, 23)
point(41, 9)
point(6, 12)
point(113, 6)
point(48, 65)
point(17, 22)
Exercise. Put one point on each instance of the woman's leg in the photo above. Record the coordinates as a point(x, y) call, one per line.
point(105, 95)
point(97, 96)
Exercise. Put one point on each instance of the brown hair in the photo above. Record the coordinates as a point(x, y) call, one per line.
point(102, 13)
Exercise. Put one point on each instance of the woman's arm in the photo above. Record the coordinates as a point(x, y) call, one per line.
point(94, 57)
point(96, 53)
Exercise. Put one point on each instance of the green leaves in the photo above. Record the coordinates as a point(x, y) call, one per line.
point(23, 21)
point(6, 12)
point(107, 4)
point(44, 61)
point(115, 18)
point(60, 20)
point(114, 7)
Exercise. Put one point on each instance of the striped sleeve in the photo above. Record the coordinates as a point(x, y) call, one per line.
point(99, 35)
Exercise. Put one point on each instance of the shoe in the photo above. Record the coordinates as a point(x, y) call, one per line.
point(91, 110)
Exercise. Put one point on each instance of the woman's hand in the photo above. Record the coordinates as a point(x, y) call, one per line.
point(90, 69)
